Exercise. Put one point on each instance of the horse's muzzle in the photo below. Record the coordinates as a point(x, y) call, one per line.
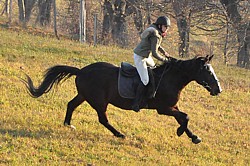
point(215, 93)
point(215, 89)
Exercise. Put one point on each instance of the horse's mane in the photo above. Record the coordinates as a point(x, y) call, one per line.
point(179, 64)
point(173, 62)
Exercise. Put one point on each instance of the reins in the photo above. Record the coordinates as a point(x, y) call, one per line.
point(164, 71)
point(156, 89)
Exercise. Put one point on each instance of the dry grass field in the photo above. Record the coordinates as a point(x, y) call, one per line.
point(32, 131)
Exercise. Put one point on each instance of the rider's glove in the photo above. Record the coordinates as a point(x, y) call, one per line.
point(166, 60)
point(167, 55)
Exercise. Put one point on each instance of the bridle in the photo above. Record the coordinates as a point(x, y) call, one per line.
point(204, 83)
point(166, 68)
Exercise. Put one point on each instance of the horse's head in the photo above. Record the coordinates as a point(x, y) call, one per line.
point(206, 76)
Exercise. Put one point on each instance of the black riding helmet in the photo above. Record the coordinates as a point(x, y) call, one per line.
point(163, 20)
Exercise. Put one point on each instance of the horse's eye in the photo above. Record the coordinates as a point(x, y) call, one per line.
point(204, 67)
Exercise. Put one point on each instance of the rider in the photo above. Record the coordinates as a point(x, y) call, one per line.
point(150, 44)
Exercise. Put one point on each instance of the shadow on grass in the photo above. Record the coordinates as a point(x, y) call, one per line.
point(4, 25)
point(51, 134)
point(26, 133)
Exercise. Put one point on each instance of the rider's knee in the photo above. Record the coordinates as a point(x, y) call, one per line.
point(145, 81)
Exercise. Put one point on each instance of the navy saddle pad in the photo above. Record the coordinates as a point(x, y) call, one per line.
point(128, 80)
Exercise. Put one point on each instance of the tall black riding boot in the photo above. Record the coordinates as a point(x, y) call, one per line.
point(139, 97)
point(151, 85)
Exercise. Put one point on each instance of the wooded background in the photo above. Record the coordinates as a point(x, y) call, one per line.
point(225, 24)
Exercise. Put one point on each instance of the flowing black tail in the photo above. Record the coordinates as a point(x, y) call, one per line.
point(52, 76)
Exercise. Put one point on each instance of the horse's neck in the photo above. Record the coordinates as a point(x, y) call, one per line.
point(180, 73)
point(186, 70)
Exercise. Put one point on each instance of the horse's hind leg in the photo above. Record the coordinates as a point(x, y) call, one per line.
point(75, 102)
point(101, 108)
point(104, 121)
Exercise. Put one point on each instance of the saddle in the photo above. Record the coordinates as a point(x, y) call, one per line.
point(128, 80)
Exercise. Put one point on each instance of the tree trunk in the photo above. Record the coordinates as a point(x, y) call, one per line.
point(5, 9)
point(225, 52)
point(82, 32)
point(28, 5)
point(95, 29)
point(244, 45)
point(107, 21)
point(21, 11)
point(134, 8)
point(55, 23)
point(183, 29)
point(183, 25)
point(138, 21)
point(242, 31)
point(149, 4)
point(44, 12)
point(10, 12)
point(119, 31)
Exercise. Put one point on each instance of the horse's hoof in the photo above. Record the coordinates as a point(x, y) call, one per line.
point(196, 140)
point(70, 126)
point(180, 131)
point(119, 135)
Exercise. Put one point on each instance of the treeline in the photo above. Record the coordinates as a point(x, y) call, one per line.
point(119, 21)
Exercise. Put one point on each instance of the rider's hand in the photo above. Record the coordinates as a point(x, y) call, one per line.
point(167, 55)
point(166, 60)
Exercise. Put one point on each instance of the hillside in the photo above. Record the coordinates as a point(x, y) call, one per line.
point(32, 131)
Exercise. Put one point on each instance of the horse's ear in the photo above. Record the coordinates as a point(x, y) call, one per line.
point(208, 58)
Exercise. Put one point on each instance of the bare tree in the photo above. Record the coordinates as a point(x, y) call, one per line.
point(115, 23)
point(55, 21)
point(5, 8)
point(184, 9)
point(44, 14)
point(21, 10)
point(182, 12)
point(10, 12)
point(82, 18)
point(8, 9)
point(25, 7)
point(119, 30)
point(242, 28)
point(108, 13)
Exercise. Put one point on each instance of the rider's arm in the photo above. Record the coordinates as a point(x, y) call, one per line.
point(161, 49)
point(154, 48)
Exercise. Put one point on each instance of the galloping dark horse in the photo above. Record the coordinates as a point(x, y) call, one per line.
point(97, 84)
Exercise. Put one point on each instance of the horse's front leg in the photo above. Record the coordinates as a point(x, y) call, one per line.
point(184, 128)
point(195, 138)
point(183, 121)
point(182, 118)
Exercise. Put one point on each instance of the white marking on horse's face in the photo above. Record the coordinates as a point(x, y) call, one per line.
point(215, 77)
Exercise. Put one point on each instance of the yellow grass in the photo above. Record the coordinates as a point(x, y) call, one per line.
point(32, 131)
